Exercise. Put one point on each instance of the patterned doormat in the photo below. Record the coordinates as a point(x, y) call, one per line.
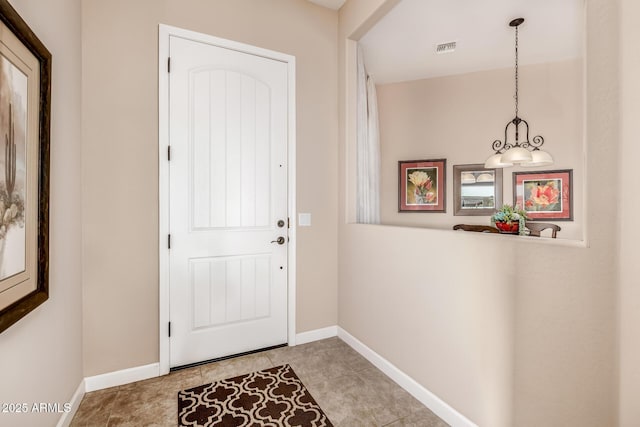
point(271, 397)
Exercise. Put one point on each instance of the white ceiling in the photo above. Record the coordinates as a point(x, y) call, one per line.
point(331, 4)
point(401, 46)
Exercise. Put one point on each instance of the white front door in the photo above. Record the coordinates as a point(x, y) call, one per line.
point(228, 201)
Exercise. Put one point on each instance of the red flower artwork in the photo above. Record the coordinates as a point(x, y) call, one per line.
point(543, 196)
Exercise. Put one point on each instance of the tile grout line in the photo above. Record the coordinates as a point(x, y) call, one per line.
point(112, 405)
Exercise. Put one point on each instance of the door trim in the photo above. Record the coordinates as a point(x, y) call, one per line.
point(164, 32)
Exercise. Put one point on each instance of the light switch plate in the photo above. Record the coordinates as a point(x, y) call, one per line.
point(304, 219)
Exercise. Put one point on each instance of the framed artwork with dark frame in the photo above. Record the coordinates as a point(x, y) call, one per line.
point(477, 191)
point(545, 195)
point(422, 185)
point(25, 106)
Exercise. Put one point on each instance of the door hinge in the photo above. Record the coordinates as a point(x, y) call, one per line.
point(169, 241)
point(168, 64)
point(169, 329)
point(169, 153)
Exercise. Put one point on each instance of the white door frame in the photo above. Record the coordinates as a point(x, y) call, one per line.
point(164, 32)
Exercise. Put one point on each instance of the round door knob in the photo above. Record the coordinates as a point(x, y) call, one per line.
point(280, 240)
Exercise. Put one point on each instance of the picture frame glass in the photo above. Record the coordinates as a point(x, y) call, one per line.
point(422, 185)
point(19, 169)
point(13, 163)
point(25, 116)
point(545, 195)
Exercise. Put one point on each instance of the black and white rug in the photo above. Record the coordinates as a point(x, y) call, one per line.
point(272, 397)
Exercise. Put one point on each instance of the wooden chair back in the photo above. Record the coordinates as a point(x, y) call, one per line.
point(536, 227)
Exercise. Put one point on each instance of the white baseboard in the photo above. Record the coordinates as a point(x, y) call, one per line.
point(316, 335)
point(125, 376)
point(65, 419)
point(427, 398)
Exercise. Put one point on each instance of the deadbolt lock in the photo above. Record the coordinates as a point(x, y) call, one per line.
point(281, 223)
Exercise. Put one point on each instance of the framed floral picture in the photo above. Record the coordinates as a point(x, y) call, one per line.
point(545, 194)
point(422, 185)
point(25, 105)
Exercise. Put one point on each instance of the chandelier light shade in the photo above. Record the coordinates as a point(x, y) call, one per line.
point(539, 158)
point(495, 162)
point(527, 152)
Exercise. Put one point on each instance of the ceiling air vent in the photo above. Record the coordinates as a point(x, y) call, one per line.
point(446, 47)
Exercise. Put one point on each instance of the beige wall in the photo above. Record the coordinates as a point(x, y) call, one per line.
point(458, 117)
point(629, 297)
point(120, 156)
point(509, 332)
point(496, 336)
point(41, 355)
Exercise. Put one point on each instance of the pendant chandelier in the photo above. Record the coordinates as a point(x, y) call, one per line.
point(527, 152)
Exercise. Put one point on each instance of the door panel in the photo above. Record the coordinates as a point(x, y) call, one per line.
point(228, 189)
point(230, 289)
point(231, 174)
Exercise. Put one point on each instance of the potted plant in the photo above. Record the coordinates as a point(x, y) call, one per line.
point(509, 219)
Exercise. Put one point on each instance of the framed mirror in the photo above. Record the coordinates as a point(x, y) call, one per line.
point(477, 191)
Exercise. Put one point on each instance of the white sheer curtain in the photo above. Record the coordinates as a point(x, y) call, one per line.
point(368, 149)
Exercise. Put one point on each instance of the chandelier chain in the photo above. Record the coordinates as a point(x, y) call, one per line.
point(516, 95)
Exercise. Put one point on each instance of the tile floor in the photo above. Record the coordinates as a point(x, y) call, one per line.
point(350, 390)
